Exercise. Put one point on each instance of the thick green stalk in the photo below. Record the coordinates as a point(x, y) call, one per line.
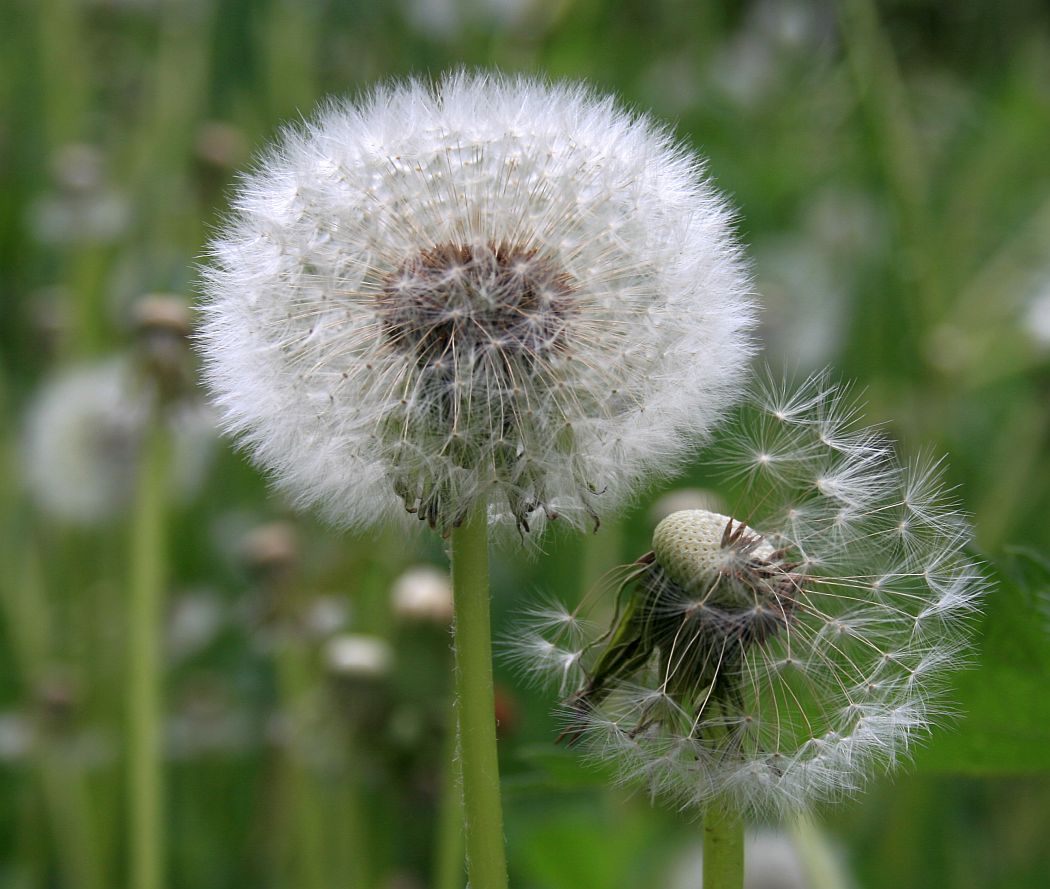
point(486, 862)
point(723, 849)
point(448, 847)
point(148, 559)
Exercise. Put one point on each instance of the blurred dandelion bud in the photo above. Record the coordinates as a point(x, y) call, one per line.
point(57, 699)
point(1036, 317)
point(423, 594)
point(84, 434)
point(195, 620)
point(325, 616)
point(271, 552)
point(359, 667)
point(220, 145)
point(50, 318)
point(162, 322)
point(770, 660)
point(358, 656)
point(207, 719)
point(16, 737)
point(492, 292)
point(78, 167)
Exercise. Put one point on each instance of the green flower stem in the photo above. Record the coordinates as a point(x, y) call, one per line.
point(148, 560)
point(723, 849)
point(448, 848)
point(486, 862)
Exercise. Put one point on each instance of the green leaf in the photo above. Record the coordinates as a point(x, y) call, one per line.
point(600, 843)
point(1004, 700)
point(550, 768)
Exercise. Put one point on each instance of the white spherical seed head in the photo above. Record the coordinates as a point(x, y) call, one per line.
point(489, 291)
point(782, 661)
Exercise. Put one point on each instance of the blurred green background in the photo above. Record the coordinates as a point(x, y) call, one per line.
point(891, 166)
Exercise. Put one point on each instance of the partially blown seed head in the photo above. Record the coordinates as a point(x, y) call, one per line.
point(486, 293)
point(781, 661)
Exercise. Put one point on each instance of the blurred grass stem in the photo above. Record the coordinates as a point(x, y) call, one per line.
point(486, 863)
point(306, 823)
point(62, 784)
point(148, 562)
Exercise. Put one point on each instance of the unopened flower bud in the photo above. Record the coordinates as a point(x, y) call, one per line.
point(424, 594)
point(220, 144)
point(357, 656)
point(271, 551)
point(162, 322)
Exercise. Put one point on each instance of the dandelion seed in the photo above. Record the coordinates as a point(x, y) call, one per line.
point(490, 292)
point(769, 661)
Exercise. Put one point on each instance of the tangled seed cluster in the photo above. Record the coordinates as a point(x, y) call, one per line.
point(487, 293)
point(781, 661)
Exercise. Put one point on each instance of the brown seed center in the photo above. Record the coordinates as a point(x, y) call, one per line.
point(460, 302)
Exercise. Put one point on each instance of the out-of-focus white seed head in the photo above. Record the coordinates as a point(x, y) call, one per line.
point(353, 655)
point(424, 594)
point(194, 621)
point(325, 615)
point(84, 433)
point(81, 208)
point(488, 292)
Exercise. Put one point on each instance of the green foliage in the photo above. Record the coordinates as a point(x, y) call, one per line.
point(1004, 727)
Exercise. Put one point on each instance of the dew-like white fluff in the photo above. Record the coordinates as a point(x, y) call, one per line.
point(84, 433)
point(784, 656)
point(488, 291)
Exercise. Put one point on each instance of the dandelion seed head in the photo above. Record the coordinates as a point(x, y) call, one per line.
point(489, 291)
point(782, 656)
point(84, 433)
